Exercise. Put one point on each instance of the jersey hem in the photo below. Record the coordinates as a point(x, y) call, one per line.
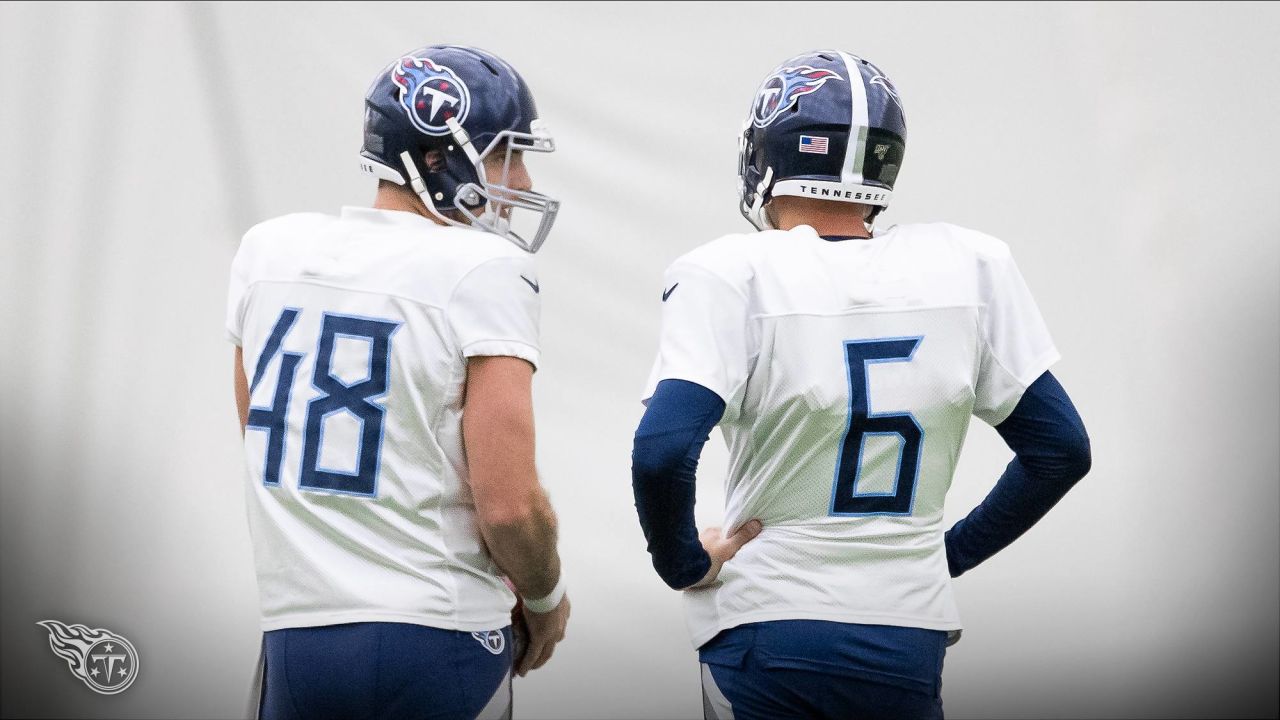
point(689, 378)
point(503, 348)
point(342, 618)
point(700, 638)
point(1034, 370)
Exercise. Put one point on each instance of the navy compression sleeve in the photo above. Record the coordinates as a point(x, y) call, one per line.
point(1051, 453)
point(664, 460)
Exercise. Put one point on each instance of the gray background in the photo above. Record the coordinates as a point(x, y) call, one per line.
point(1126, 152)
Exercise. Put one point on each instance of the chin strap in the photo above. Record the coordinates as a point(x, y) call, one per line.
point(756, 214)
point(491, 219)
point(415, 180)
point(461, 137)
point(420, 187)
point(467, 196)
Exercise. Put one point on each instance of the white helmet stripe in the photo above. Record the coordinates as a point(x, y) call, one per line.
point(851, 170)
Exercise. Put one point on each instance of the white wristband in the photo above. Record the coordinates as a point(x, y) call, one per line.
point(549, 602)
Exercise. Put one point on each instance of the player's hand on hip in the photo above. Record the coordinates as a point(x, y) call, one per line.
point(723, 547)
point(545, 630)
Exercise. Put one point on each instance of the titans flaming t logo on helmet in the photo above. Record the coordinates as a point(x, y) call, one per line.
point(431, 94)
point(781, 89)
point(884, 82)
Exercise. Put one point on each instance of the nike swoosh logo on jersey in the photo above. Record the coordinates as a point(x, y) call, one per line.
point(667, 293)
point(532, 284)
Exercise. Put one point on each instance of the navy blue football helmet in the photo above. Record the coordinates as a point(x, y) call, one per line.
point(431, 119)
point(825, 124)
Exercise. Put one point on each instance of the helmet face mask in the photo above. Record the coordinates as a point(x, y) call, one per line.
point(524, 217)
point(826, 125)
point(427, 116)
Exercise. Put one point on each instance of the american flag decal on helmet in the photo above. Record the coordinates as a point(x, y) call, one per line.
point(813, 144)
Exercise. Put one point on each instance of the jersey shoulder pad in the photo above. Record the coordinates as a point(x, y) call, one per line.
point(979, 243)
point(485, 249)
point(728, 257)
point(261, 238)
point(448, 255)
point(288, 224)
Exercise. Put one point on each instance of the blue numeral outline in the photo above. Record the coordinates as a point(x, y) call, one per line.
point(364, 407)
point(273, 420)
point(311, 475)
point(846, 501)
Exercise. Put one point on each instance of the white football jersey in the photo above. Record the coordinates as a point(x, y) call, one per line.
point(849, 370)
point(355, 332)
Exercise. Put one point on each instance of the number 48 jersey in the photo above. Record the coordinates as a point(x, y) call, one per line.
point(849, 370)
point(355, 333)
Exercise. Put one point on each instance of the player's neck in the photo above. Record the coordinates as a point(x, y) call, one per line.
point(824, 216)
point(395, 197)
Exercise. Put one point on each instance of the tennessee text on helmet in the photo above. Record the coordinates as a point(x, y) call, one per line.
point(825, 124)
point(432, 120)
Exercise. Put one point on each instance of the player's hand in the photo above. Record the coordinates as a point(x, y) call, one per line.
point(545, 630)
point(722, 548)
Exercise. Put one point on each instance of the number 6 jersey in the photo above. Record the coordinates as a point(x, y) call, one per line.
point(849, 370)
point(355, 333)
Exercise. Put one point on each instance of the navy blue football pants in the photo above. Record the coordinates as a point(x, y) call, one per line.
point(815, 669)
point(385, 670)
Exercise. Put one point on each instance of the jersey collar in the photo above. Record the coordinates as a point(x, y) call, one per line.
point(386, 218)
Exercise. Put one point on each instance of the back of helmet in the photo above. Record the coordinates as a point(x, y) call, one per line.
point(827, 125)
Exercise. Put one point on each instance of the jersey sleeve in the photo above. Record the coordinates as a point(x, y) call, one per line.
point(495, 310)
point(705, 337)
point(1016, 345)
point(238, 289)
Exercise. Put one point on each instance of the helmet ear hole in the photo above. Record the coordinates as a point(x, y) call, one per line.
point(434, 160)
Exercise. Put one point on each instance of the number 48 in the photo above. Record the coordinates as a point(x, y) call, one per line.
point(336, 396)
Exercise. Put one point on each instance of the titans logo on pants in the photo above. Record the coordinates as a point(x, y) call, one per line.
point(493, 641)
point(101, 659)
point(781, 90)
point(431, 94)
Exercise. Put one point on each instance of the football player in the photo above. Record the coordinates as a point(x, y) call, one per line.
point(843, 364)
point(383, 371)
